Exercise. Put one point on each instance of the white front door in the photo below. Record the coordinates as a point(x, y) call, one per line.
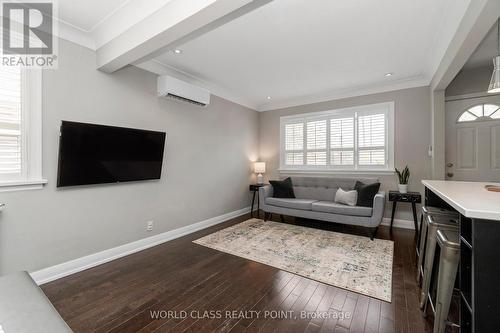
point(473, 139)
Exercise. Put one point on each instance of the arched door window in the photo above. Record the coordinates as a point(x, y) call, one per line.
point(480, 112)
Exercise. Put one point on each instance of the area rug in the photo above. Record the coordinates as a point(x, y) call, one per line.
point(351, 262)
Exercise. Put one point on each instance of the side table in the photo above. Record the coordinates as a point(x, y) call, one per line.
point(255, 189)
point(410, 197)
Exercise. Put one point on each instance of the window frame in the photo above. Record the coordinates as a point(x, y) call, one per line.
point(31, 135)
point(482, 118)
point(386, 107)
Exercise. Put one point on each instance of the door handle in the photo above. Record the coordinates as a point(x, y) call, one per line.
point(449, 165)
point(450, 174)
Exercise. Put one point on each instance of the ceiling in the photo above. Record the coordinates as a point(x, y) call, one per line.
point(295, 50)
point(483, 55)
point(85, 15)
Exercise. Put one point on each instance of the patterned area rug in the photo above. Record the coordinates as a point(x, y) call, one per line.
point(351, 262)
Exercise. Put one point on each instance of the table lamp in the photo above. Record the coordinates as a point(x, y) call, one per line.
point(259, 168)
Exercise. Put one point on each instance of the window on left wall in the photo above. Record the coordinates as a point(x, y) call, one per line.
point(20, 128)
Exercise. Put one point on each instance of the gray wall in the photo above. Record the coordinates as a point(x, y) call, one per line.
point(206, 169)
point(468, 81)
point(412, 135)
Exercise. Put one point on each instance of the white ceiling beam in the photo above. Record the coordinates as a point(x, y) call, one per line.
point(170, 26)
point(477, 21)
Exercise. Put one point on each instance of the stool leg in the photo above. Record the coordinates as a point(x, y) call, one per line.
point(448, 265)
point(423, 239)
point(430, 250)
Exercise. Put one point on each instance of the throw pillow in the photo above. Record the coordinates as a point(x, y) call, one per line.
point(366, 193)
point(282, 188)
point(346, 197)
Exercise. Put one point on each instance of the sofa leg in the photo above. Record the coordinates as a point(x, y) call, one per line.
point(373, 232)
point(265, 216)
point(282, 218)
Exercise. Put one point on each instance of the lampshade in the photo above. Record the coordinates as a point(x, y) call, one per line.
point(259, 167)
point(494, 86)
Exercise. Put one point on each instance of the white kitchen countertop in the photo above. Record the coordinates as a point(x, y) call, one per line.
point(470, 199)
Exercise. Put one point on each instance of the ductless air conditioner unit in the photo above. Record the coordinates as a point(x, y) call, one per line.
point(171, 87)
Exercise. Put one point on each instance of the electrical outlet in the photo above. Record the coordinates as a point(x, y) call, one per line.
point(149, 226)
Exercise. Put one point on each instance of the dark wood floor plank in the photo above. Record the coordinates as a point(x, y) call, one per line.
point(348, 310)
point(373, 316)
point(244, 308)
point(323, 308)
point(180, 275)
point(358, 321)
point(270, 302)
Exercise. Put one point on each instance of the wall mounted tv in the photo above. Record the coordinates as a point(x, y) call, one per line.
point(98, 154)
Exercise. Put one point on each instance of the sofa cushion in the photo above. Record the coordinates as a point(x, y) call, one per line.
point(282, 188)
point(304, 204)
point(319, 193)
point(366, 193)
point(346, 197)
point(335, 208)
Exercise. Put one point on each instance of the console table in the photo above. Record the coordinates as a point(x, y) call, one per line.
point(479, 269)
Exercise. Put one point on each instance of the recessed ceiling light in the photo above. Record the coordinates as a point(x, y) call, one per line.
point(268, 97)
point(389, 74)
point(177, 51)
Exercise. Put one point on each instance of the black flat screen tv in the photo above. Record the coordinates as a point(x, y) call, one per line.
point(98, 154)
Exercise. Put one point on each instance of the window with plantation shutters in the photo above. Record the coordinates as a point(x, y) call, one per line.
point(352, 139)
point(372, 139)
point(316, 142)
point(10, 122)
point(294, 146)
point(20, 128)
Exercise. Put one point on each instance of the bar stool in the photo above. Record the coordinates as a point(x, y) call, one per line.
point(429, 211)
point(433, 224)
point(448, 265)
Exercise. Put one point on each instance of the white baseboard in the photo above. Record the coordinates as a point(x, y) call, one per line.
point(77, 265)
point(399, 223)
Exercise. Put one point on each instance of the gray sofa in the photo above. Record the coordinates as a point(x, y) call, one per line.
point(315, 200)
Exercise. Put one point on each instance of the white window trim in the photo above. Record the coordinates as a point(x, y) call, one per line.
point(31, 134)
point(326, 170)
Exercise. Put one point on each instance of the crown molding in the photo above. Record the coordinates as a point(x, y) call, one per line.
point(75, 35)
point(412, 82)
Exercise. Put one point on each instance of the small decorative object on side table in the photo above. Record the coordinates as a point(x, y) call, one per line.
point(255, 189)
point(403, 177)
point(410, 197)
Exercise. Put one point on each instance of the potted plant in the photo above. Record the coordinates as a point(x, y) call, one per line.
point(403, 179)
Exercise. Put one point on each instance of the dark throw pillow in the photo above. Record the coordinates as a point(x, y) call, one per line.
point(282, 188)
point(366, 193)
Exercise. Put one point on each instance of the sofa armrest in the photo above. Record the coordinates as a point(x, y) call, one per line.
point(378, 209)
point(265, 192)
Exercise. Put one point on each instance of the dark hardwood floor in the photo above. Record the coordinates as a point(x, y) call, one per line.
point(182, 276)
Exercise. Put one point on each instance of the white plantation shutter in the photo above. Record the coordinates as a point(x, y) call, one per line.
point(372, 139)
point(316, 142)
point(342, 141)
point(10, 123)
point(294, 144)
point(358, 138)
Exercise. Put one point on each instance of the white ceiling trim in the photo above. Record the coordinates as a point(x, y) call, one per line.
point(156, 67)
point(76, 35)
point(413, 82)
